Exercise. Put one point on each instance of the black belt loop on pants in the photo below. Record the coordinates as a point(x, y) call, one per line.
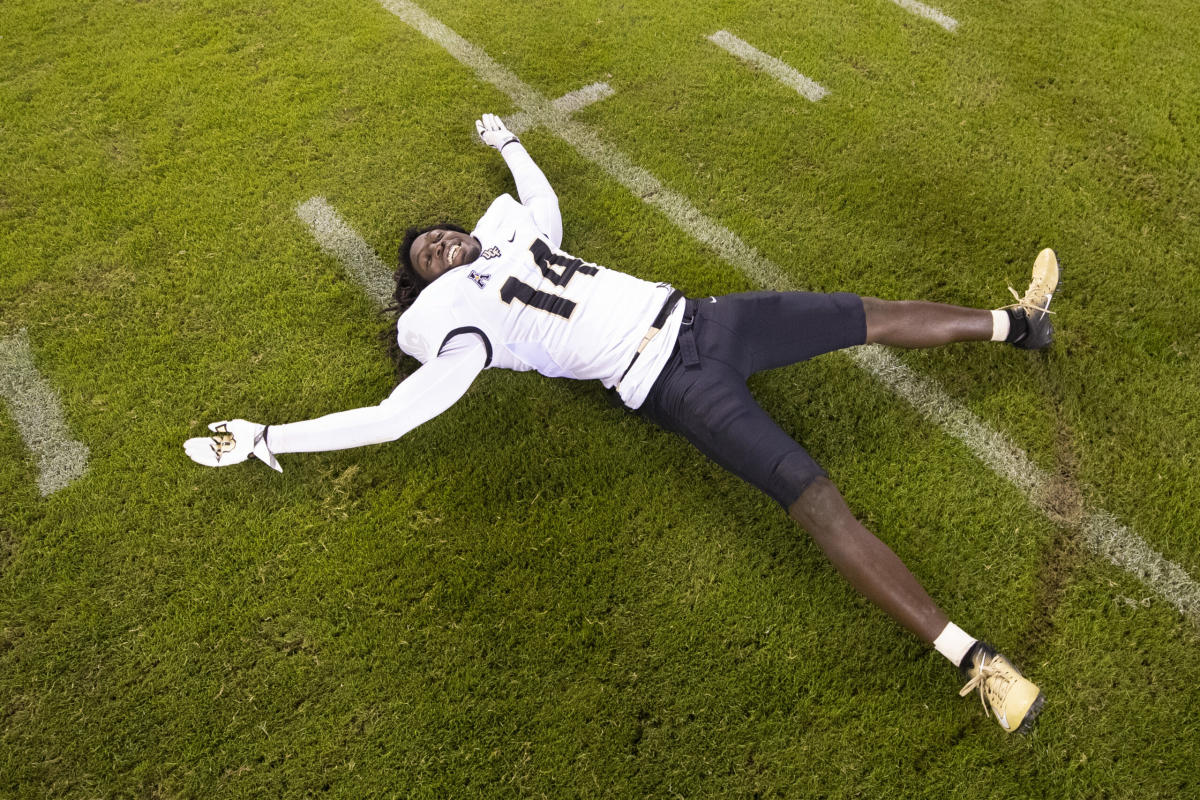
point(655, 327)
point(687, 336)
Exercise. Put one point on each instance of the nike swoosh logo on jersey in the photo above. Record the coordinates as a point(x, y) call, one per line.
point(513, 236)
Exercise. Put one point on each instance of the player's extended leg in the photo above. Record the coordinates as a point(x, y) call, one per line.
point(878, 574)
point(867, 563)
point(707, 401)
point(917, 323)
point(712, 407)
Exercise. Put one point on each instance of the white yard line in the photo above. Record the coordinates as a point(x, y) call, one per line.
point(339, 240)
point(922, 10)
point(777, 69)
point(1105, 534)
point(1100, 530)
point(38, 415)
point(561, 108)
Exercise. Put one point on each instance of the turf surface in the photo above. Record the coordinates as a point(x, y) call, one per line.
point(536, 595)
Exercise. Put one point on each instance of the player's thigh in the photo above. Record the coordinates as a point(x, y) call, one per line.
point(764, 330)
point(714, 410)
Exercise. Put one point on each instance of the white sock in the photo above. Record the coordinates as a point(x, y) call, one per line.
point(953, 642)
point(1000, 324)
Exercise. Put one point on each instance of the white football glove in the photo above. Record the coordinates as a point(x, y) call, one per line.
point(493, 132)
point(233, 441)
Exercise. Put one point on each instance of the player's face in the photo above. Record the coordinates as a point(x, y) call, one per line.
point(439, 250)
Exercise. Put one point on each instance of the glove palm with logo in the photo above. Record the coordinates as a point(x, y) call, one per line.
point(232, 442)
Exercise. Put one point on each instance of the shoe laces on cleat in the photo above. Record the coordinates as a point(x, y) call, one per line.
point(994, 679)
point(1036, 300)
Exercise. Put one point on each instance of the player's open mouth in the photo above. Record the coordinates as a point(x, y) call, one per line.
point(452, 254)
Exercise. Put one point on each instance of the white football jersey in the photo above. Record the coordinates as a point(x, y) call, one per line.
point(536, 307)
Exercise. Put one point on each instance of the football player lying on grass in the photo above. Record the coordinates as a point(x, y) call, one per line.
point(505, 295)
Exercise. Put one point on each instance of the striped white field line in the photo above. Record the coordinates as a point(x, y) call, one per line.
point(1103, 533)
point(930, 13)
point(563, 107)
point(339, 240)
point(38, 415)
point(771, 65)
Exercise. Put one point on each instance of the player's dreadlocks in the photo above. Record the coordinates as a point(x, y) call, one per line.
point(408, 287)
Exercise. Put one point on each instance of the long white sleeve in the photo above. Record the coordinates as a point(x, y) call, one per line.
point(535, 191)
point(420, 397)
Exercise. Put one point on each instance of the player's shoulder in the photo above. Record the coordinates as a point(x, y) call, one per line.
point(449, 298)
point(443, 307)
point(504, 204)
point(440, 298)
point(503, 218)
point(423, 324)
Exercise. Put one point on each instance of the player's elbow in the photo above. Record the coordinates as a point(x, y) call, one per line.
point(392, 422)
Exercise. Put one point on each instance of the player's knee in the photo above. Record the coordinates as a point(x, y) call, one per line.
point(879, 318)
point(818, 491)
point(820, 506)
point(791, 475)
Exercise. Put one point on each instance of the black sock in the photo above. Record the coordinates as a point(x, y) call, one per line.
point(1018, 325)
point(978, 650)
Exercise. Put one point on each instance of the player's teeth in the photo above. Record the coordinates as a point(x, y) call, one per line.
point(452, 254)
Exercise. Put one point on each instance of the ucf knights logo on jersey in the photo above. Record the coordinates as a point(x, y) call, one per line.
point(491, 252)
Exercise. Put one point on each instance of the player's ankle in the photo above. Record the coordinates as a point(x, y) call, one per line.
point(1009, 325)
point(954, 643)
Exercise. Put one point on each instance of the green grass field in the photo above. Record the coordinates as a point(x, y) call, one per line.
point(536, 595)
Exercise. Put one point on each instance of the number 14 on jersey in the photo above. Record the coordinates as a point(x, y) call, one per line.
point(547, 261)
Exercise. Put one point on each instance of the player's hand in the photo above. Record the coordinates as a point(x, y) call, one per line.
point(232, 442)
point(493, 132)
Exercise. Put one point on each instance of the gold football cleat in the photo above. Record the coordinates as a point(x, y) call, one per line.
point(1010, 696)
point(1034, 306)
point(1041, 286)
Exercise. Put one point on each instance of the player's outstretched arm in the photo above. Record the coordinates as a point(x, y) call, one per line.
point(429, 391)
point(532, 187)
